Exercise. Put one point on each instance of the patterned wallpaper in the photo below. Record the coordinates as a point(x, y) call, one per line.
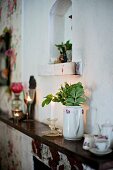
point(17, 151)
point(11, 17)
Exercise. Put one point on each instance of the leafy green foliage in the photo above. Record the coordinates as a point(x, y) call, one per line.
point(63, 47)
point(68, 95)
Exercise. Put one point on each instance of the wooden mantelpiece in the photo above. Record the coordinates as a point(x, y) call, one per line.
point(72, 149)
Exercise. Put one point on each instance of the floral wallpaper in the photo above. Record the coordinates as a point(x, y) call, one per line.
point(11, 7)
point(11, 53)
point(15, 149)
point(11, 18)
point(55, 159)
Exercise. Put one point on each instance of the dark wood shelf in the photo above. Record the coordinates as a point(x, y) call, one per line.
point(73, 149)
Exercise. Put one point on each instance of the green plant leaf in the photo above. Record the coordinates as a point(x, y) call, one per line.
point(73, 93)
point(81, 100)
point(47, 100)
point(79, 93)
point(69, 95)
point(70, 100)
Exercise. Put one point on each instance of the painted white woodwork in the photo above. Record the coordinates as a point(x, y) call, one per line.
point(70, 68)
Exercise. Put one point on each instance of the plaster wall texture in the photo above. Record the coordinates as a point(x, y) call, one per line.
point(93, 35)
point(92, 43)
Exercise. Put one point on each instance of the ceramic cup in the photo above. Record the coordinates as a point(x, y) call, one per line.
point(88, 141)
point(102, 145)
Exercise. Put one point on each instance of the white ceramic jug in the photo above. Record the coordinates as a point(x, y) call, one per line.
point(107, 130)
point(73, 127)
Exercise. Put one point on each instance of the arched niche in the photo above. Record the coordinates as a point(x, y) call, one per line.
point(60, 25)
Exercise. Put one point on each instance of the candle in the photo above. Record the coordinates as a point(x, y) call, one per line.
point(16, 114)
point(29, 99)
point(52, 110)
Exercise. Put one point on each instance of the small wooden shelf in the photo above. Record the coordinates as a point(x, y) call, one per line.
point(69, 68)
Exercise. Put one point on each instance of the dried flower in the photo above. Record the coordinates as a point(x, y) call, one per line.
point(16, 87)
point(11, 53)
point(11, 7)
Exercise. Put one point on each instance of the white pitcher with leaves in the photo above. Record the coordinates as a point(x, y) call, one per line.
point(72, 97)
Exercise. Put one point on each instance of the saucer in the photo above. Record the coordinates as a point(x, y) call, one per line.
point(94, 151)
point(52, 133)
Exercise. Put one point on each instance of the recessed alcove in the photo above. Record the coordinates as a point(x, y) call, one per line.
point(60, 31)
point(60, 25)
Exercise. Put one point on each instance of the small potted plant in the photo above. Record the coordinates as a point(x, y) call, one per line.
point(65, 50)
point(72, 96)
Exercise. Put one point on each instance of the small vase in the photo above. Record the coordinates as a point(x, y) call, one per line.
point(69, 55)
point(64, 57)
point(17, 106)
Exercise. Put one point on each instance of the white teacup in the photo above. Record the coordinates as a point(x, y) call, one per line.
point(102, 145)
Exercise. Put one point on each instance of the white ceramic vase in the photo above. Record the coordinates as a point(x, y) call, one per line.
point(69, 55)
point(73, 125)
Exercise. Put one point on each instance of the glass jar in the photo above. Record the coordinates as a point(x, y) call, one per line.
point(17, 106)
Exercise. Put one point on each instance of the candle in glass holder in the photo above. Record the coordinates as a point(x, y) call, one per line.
point(16, 114)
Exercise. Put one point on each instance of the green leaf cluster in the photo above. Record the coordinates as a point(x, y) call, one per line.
point(63, 47)
point(68, 95)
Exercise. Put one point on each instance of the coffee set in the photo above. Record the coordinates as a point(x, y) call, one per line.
point(100, 144)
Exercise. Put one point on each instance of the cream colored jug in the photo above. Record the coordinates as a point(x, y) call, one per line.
point(73, 126)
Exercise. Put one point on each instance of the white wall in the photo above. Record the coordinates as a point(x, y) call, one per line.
point(68, 25)
point(93, 33)
point(35, 35)
point(92, 36)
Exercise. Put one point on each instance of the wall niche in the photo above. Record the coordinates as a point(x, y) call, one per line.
point(60, 25)
point(60, 31)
